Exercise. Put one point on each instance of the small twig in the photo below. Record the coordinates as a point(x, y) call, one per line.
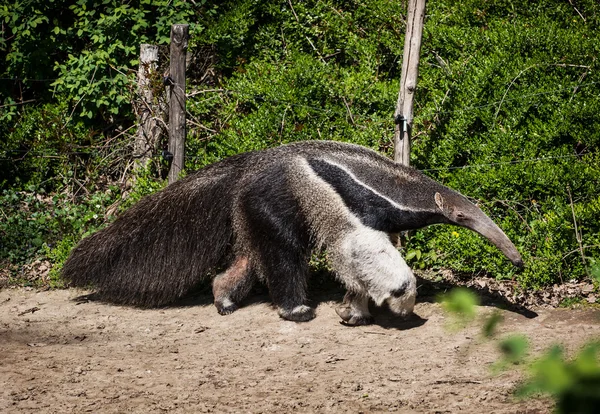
point(577, 233)
point(116, 69)
point(3, 213)
point(443, 64)
point(336, 10)
point(285, 49)
point(578, 250)
point(18, 103)
point(109, 140)
point(293, 11)
point(30, 310)
point(580, 15)
point(334, 359)
point(194, 123)
point(439, 106)
point(332, 54)
point(160, 121)
point(576, 88)
point(192, 120)
point(81, 187)
point(456, 382)
point(127, 167)
point(307, 38)
point(199, 92)
point(283, 122)
point(349, 112)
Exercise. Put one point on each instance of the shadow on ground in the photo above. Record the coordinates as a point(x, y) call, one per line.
point(325, 288)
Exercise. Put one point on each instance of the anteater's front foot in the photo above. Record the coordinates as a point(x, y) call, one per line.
point(300, 313)
point(352, 318)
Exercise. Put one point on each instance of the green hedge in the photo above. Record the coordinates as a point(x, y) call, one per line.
point(505, 111)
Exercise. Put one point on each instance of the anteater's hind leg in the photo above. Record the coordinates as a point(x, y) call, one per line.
point(272, 231)
point(233, 285)
point(287, 275)
point(282, 259)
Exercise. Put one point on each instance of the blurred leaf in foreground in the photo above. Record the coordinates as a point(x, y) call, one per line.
point(460, 303)
point(574, 384)
point(491, 323)
point(514, 349)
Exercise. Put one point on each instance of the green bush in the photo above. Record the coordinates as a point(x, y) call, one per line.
point(86, 51)
point(44, 151)
point(505, 113)
point(505, 110)
point(517, 118)
point(36, 225)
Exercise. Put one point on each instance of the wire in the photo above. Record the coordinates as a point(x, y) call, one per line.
point(495, 164)
point(27, 80)
point(192, 157)
point(261, 99)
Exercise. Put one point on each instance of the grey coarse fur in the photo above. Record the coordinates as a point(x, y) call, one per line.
point(168, 242)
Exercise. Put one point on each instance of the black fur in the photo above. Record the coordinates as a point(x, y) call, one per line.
point(275, 223)
point(372, 209)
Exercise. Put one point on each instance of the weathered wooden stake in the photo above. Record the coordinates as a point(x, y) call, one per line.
point(177, 130)
point(147, 110)
point(403, 115)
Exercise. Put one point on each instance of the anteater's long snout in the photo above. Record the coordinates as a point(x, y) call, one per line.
point(488, 229)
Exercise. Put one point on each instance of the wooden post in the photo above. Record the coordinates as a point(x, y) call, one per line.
point(177, 130)
point(403, 115)
point(146, 108)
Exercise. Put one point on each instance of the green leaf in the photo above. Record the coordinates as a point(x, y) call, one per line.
point(491, 323)
point(514, 348)
point(460, 302)
point(411, 254)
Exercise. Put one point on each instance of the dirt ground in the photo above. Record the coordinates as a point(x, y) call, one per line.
point(58, 355)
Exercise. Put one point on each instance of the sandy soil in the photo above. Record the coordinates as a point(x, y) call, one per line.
point(58, 355)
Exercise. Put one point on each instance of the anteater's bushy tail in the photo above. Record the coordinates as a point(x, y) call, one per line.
point(156, 251)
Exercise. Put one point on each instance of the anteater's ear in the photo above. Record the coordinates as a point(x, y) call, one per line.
point(439, 201)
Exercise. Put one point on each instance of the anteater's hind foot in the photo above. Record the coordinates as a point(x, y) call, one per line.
point(232, 286)
point(300, 313)
point(226, 306)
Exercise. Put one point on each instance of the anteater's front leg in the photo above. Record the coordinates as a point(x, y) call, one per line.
point(371, 267)
point(354, 310)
